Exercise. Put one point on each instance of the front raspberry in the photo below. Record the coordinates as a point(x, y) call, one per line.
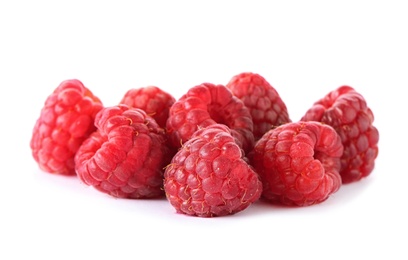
point(66, 120)
point(153, 100)
point(263, 101)
point(209, 176)
point(125, 157)
point(347, 112)
point(205, 105)
point(298, 163)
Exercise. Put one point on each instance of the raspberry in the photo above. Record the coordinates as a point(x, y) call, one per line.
point(298, 163)
point(126, 156)
point(66, 120)
point(346, 111)
point(205, 105)
point(263, 101)
point(153, 100)
point(209, 176)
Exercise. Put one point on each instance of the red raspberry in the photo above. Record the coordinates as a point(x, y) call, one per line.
point(209, 176)
point(66, 120)
point(126, 156)
point(298, 163)
point(153, 100)
point(346, 111)
point(263, 101)
point(205, 105)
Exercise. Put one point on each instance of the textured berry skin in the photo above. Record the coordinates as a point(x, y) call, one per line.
point(66, 120)
point(298, 163)
point(263, 101)
point(346, 111)
point(153, 100)
point(126, 156)
point(205, 105)
point(209, 176)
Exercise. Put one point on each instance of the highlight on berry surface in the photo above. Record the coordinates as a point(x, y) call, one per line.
point(65, 121)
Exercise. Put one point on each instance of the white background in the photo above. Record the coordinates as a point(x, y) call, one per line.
point(303, 48)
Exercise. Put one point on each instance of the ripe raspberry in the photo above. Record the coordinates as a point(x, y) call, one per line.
point(66, 120)
point(209, 176)
point(205, 105)
point(126, 156)
point(263, 101)
point(298, 163)
point(153, 100)
point(346, 111)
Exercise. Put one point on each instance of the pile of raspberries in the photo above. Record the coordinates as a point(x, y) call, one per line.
point(214, 151)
